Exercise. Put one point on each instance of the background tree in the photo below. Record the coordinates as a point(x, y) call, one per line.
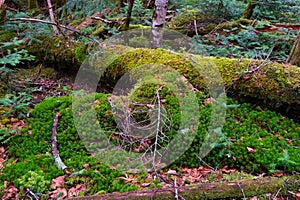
point(294, 57)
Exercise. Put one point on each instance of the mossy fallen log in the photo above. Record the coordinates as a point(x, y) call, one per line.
point(273, 85)
point(220, 190)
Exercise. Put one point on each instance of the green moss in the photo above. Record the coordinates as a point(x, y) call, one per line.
point(7, 35)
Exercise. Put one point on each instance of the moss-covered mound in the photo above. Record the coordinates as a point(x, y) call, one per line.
point(253, 139)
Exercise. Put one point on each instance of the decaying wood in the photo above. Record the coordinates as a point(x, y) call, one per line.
point(59, 163)
point(294, 57)
point(238, 189)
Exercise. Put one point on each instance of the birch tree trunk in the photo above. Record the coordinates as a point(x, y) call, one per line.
point(158, 21)
point(294, 57)
point(52, 18)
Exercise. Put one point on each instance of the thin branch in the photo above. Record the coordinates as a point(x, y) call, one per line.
point(59, 163)
point(196, 30)
point(242, 190)
point(55, 24)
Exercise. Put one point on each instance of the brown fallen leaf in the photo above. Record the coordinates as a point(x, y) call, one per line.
point(145, 184)
point(59, 193)
point(251, 150)
point(277, 174)
point(75, 191)
point(11, 192)
point(297, 195)
point(58, 182)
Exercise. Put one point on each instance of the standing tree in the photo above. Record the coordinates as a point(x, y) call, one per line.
point(294, 57)
point(249, 9)
point(158, 21)
point(129, 11)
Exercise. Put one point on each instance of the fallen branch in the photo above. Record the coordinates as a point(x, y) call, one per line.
point(59, 163)
point(55, 24)
point(211, 190)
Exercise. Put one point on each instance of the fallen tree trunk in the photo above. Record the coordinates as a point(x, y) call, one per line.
point(270, 84)
point(242, 189)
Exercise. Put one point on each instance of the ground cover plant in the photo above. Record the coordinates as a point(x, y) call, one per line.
point(256, 145)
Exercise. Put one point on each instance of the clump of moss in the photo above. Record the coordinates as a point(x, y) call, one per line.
point(33, 151)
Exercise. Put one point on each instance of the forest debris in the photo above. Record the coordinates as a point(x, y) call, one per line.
point(58, 182)
point(75, 191)
point(59, 163)
point(10, 191)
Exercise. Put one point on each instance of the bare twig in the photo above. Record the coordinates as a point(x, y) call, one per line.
point(55, 24)
point(205, 163)
point(277, 193)
point(250, 71)
point(59, 163)
point(242, 190)
point(28, 191)
point(196, 30)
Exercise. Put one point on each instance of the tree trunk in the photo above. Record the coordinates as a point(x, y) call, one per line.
point(52, 18)
point(159, 15)
point(249, 10)
point(2, 12)
point(158, 21)
point(33, 4)
point(294, 57)
point(129, 11)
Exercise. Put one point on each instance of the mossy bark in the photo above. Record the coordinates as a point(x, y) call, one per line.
point(273, 85)
point(294, 57)
point(220, 190)
point(249, 9)
point(189, 28)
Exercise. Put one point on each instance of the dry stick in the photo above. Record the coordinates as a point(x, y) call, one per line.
point(196, 30)
point(59, 163)
point(55, 24)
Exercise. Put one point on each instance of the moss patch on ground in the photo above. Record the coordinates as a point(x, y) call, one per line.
point(253, 139)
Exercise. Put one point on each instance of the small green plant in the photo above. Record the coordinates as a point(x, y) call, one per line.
point(17, 56)
point(18, 104)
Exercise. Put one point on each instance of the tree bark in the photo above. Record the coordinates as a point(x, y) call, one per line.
point(238, 189)
point(158, 21)
point(129, 12)
point(249, 10)
point(294, 57)
point(52, 18)
point(159, 15)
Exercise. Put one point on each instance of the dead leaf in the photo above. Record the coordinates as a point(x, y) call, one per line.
point(277, 174)
point(75, 191)
point(59, 193)
point(145, 184)
point(297, 195)
point(86, 166)
point(58, 182)
point(254, 198)
point(11, 192)
point(228, 171)
point(219, 176)
point(172, 172)
point(250, 150)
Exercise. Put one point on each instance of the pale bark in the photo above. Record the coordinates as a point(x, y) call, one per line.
point(158, 21)
point(52, 18)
